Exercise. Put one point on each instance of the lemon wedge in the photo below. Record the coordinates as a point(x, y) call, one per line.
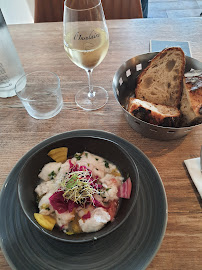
point(59, 154)
point(47, 222)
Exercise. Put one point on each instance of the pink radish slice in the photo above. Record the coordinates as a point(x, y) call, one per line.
point(125, 189)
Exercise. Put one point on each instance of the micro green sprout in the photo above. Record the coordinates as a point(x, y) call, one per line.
point(77, 187)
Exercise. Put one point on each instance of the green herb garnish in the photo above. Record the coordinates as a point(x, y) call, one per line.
point(52, 175)
point(72, 181)
point(106, 164)
point(77, 187)
point(78, 156)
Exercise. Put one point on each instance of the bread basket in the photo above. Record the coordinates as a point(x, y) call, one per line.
point(124, 83)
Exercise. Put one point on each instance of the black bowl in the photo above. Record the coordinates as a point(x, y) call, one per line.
point(28, 180)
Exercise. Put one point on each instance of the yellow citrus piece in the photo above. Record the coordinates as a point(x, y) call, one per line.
point(46, 222)
point(59, 154)
point(44, 206)
point(115, 172)
point(75, 226)
point(69, 233)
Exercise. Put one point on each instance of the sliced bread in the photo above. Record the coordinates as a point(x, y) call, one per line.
point(191, 102)
point(156, 114)
point(161, 81)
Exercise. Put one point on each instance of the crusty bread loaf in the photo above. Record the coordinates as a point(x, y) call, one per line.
point(161, 81)
point(156, 114)
point(191, 102)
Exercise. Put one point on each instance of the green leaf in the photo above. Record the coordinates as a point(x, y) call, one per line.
point(78, 156)
point(52, 175)
point(106, 164)
point(72, 181)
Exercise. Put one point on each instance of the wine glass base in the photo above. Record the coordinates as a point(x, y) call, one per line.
point(91, 101)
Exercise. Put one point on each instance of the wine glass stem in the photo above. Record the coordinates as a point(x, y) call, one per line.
point(91, 94)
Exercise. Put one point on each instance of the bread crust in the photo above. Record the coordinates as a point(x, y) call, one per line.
point(191, 102)
point(161, 81)
point(156, 114)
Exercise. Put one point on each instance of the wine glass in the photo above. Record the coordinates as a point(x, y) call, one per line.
point(86, 41)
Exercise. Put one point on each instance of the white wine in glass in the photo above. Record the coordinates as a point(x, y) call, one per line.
point(86, 41)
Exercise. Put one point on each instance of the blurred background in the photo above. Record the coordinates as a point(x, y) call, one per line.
point(22, 11)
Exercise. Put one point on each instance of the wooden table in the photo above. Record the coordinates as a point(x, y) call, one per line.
point(40, 46)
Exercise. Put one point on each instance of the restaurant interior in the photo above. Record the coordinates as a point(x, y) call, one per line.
point(101, 170)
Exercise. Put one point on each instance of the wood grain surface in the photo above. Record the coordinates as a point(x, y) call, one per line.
point(40, 47)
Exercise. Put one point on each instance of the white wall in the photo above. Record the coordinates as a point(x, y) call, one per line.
point(17, 11)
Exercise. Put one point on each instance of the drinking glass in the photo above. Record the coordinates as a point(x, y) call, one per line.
point(86, 41)
point(40, 93)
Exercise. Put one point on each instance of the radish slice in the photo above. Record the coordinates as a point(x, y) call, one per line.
point(125, 189)
point(86, 216)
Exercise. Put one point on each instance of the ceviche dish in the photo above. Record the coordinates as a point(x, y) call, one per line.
point(79, 194)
